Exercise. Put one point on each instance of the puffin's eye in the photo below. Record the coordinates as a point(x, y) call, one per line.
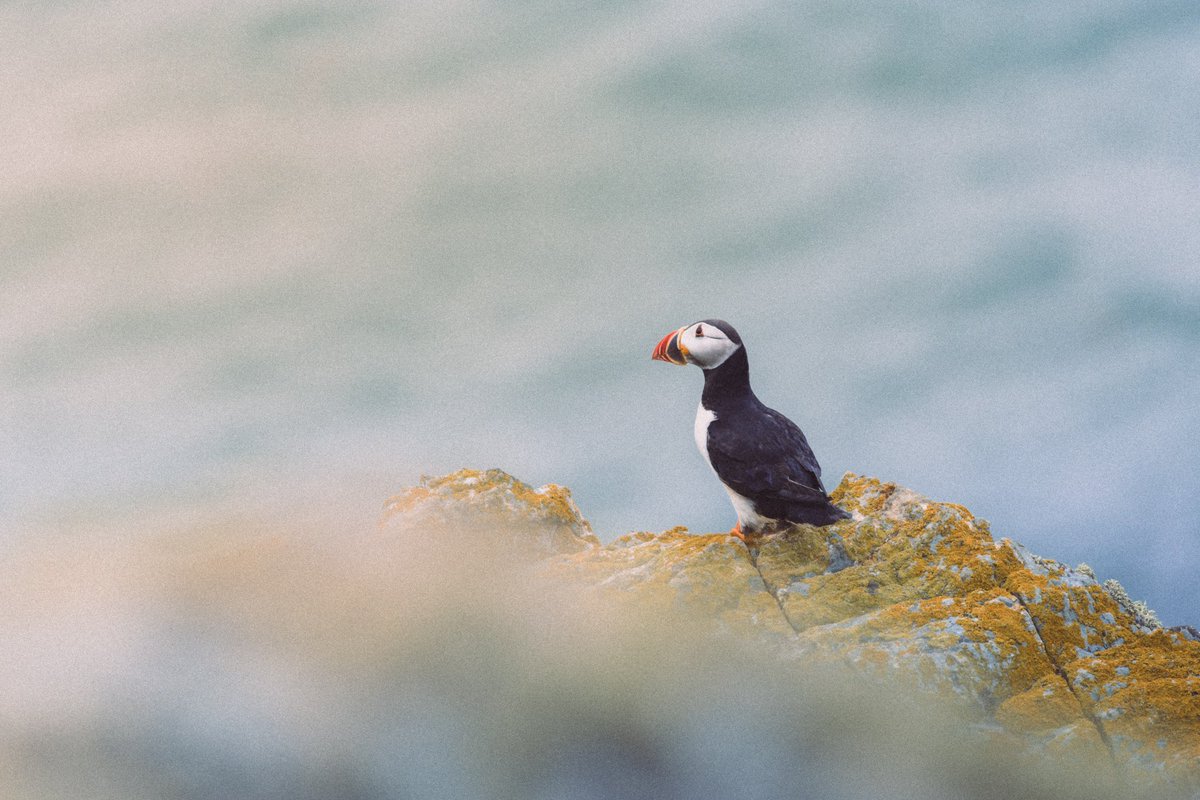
point(699, 330)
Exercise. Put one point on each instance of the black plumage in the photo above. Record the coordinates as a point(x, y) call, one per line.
point(757, 452)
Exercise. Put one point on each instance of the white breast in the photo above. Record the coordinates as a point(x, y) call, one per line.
point(704, 418)
point(747, 516)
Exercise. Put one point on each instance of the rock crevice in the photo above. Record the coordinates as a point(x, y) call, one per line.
point(773, 590)
point(1062, 673)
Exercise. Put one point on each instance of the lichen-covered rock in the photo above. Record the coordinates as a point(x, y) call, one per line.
point(710, 577)
point(1145, 693)
point(907, 588)
point(492, 503)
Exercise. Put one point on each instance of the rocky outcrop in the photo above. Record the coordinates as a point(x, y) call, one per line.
point(492, 503)
point(908, 589)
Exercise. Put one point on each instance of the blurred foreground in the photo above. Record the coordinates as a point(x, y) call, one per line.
point(431, 660)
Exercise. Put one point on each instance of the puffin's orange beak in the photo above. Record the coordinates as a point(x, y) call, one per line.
point(671, 350)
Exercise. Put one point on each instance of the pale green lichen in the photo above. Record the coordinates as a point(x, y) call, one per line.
point(1141, 612)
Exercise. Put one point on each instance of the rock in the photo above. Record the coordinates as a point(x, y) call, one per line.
point(908, 589)
point(711, 577)
point(491, 503)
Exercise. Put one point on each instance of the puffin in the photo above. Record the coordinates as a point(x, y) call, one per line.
point(760, 456)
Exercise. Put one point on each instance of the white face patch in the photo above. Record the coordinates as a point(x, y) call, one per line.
point(706, 345)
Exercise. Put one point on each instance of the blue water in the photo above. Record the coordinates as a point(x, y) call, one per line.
point(284, 255)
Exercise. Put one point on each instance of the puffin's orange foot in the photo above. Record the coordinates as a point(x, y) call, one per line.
point(737, 531)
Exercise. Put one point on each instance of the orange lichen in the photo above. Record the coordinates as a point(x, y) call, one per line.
point(1046, 706)
point(1146, 693)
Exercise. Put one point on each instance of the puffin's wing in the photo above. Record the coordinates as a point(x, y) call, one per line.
point(799, 456)
point(768, 458)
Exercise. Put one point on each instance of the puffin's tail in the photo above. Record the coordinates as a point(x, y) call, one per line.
point(817, 511)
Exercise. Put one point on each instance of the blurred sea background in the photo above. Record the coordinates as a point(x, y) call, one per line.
point(276, 260)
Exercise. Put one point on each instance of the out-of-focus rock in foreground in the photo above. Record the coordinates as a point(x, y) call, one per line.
point(1041, 655)
point(493, 504)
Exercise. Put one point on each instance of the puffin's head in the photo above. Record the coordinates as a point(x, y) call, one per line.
point(707, 344)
